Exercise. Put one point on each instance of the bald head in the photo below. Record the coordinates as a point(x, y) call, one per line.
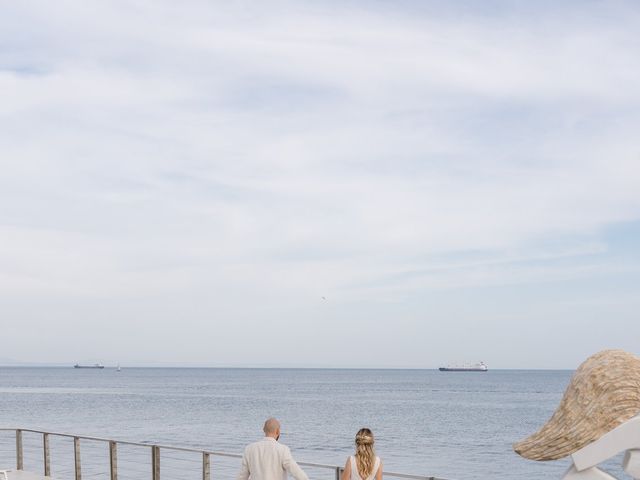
point(272, 428)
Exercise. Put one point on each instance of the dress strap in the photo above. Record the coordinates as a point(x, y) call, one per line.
point(354, 467)
point(376, 466)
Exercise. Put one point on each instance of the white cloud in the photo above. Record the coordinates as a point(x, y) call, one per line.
point(273, 152)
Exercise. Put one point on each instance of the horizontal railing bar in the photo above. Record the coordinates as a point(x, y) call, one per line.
point(126, 442)
point(200, 451)
point(408, 475)
point(182, 459)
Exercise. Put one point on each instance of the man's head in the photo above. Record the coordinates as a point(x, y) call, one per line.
point(272, 428)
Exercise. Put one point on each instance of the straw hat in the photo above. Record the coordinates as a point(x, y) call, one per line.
point(603, 393)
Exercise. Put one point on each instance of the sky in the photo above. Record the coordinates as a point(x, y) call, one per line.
point(319, 184)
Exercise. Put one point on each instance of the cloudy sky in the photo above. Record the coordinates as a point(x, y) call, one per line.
point(183, 182)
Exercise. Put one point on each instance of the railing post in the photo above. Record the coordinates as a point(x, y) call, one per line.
point(76, 454)
point(46, 455)
point(113, 460)
point(338, 473)
point(206, 466)
point(19, 454)
point(155, 462)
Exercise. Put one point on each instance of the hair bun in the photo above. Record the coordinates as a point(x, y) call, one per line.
point(364, 440)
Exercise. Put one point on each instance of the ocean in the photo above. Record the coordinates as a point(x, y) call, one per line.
point(454, 425)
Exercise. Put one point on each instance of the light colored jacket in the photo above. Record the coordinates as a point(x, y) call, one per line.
point(269, 460)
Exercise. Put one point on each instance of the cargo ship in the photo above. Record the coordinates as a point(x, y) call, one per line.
point(95, 365)
point(478, 367)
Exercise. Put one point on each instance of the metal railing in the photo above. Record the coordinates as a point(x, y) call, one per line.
point(154, 455)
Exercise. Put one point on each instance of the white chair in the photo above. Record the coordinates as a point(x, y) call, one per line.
point(5, 474)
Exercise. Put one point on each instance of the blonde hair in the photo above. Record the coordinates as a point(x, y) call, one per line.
point(365, 454)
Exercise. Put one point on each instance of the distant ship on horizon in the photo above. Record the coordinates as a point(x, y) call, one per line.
point(478, 367)
point(95, 365)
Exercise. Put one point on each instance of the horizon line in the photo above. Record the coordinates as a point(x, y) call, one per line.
point(269, 367)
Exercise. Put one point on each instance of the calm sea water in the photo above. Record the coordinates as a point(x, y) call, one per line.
point(453, 425)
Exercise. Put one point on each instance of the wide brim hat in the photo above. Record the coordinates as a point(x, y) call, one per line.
point(604, 392)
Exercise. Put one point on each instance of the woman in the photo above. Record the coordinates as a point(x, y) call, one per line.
point(364, 465)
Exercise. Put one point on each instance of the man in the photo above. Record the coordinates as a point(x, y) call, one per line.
point(268, 459)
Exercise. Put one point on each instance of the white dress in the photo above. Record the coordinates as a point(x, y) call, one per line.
point(355, 475)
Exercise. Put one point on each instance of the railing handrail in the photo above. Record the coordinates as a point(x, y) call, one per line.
point(336, 468)
point(126, 442)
